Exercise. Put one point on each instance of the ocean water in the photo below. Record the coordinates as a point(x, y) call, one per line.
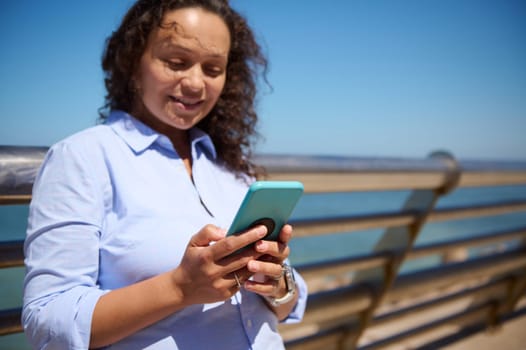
point(306, 250)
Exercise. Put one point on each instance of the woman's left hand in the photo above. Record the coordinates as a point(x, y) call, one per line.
point(267, 273)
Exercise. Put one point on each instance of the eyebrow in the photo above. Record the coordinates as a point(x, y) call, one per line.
point(166, 43)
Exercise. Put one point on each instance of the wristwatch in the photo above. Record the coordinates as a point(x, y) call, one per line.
point(291, 287)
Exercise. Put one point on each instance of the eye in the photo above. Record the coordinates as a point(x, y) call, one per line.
point(175, 65)
point(213, 70)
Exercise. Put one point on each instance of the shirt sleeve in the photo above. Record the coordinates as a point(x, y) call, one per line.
point(298, 311)
point(62, 249)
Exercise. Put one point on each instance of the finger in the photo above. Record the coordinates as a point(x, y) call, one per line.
point(268, 288)
point(231, 244)
point(271, 270)
point(285, 235)
point(240, 276)
point(279, 251)
point(237, 262)
point(206, 235)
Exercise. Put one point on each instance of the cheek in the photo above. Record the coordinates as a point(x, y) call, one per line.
point(155, 77)
point(216, 88)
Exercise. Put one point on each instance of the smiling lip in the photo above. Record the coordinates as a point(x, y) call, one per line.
point(187, 104)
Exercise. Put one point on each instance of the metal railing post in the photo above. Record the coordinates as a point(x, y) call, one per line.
point(399, 241)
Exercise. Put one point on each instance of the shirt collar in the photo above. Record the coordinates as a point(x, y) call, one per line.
point(139, 136)
point(201, 142)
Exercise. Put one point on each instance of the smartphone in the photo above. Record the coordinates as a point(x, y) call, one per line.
point(268, 203)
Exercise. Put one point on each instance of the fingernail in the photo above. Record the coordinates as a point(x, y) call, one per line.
point(262, 231)
point(261, 246)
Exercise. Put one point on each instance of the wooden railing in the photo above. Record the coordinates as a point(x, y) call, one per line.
point(365, 301)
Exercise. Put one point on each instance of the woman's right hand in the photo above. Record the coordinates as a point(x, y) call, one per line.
point(205, 275)
point(206, 272)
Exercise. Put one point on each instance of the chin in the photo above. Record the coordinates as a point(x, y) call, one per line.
point(181, 123)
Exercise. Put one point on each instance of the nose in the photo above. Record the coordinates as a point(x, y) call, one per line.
point(193, 81)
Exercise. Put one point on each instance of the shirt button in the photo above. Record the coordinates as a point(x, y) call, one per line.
point(249, 323)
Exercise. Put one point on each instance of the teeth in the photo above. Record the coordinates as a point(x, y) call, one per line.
point(184, 102)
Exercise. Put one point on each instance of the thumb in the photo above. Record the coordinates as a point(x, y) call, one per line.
point(208, 234)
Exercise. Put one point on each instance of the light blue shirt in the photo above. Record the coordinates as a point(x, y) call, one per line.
point(113, 205)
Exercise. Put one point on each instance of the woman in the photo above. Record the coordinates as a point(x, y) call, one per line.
point(126, 243)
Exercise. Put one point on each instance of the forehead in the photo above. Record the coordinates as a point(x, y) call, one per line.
point(193, 29)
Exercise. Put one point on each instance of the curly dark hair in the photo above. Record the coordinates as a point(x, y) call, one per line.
point(232, 122)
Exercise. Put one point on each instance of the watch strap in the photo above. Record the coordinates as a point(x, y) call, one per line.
point(290, 283)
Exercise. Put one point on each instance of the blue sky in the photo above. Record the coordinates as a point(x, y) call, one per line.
point(349, 77)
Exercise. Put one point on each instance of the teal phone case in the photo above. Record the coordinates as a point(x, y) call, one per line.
point(269, 203)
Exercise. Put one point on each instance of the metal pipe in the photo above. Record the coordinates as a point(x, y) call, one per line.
point(482, 239)
point(492, 290)
point(449, 325)
point(327, 309)
point(421, 282)
point(19, 164)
